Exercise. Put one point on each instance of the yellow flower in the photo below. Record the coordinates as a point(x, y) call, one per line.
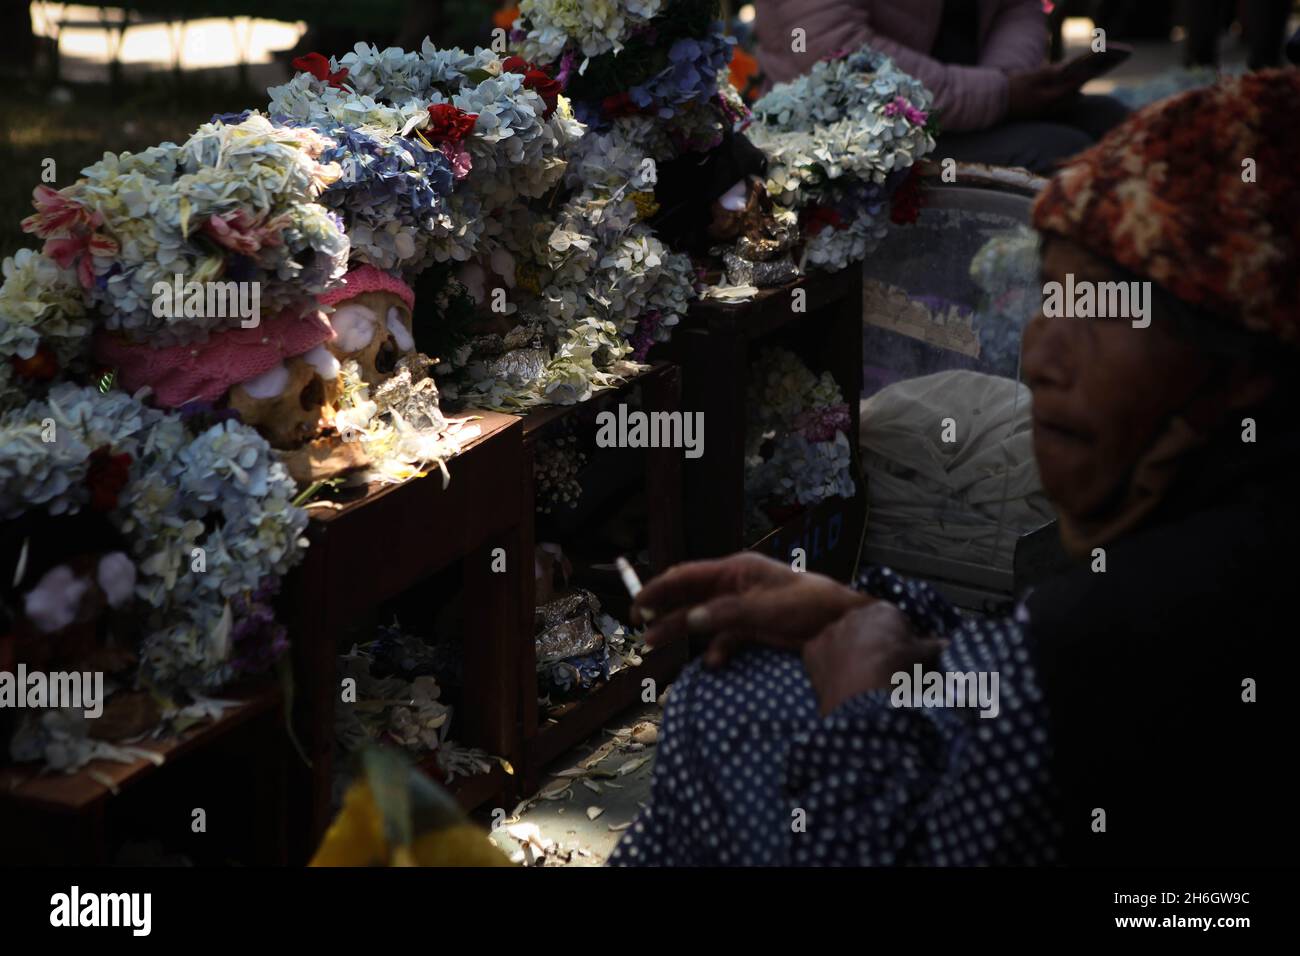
point(645, 204)
point(528, 278)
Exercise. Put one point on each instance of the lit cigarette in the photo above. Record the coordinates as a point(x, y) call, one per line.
point(632, 583)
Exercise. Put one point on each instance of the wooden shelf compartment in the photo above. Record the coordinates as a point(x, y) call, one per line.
point(660, 473)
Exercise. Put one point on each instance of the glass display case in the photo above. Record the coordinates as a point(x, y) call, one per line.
point(945, 418)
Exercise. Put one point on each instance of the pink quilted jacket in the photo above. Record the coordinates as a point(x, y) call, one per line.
point(1012, 37)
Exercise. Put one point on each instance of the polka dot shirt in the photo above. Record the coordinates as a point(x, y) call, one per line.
point(748, 773)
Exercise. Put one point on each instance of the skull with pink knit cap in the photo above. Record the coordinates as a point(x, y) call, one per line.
point(371, 319)
point(278, 375)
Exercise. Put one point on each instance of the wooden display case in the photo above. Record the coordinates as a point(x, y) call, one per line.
point(391, 539)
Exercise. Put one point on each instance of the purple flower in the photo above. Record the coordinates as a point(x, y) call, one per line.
point(691, 75)
point(257, 641)
point(566, 68)
point(644, 337)
point(907, 110)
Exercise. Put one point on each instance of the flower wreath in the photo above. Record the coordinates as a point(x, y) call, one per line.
point(797, 450)
point(235, 202)
point(495, 126)
point(840, 140)
point(208, 520)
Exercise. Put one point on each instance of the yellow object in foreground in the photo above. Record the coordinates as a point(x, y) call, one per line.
point(393, 815)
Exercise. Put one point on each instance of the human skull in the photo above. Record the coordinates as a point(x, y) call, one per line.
point(374, 329)
point(285, 403)
point(735, 210)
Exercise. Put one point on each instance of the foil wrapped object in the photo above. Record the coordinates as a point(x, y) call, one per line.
point(412, 393)
point(742, 271)
point(566, 627)
point(519, 357)
point(518, 367)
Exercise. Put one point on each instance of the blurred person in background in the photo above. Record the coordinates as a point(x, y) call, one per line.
point(997, 98)
point(1263, 23)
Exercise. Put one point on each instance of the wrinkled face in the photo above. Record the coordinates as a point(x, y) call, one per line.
point(374, 329)
point(1103, 390)
point(285, 403)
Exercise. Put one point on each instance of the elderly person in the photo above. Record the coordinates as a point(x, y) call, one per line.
point(997, 99)
point(1142, 693)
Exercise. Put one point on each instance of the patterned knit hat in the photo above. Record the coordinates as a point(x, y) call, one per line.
point(1199, 194)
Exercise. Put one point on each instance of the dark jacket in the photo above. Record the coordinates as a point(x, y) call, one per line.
point(1143, 666)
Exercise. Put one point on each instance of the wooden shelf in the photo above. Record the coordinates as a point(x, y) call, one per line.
point(770, 309)
point(830, 534)
point(581, 718)
point(392, 539)
point(661, 473)
point(100, 780)
point(474, 791)
point(715, 345)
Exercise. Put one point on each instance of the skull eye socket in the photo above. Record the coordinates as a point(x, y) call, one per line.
point(312, 395)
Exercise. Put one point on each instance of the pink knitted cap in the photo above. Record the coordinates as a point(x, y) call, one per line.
point(368, 279)
point(181, 374)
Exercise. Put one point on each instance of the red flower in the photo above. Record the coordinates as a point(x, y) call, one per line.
point(905, 208)
point(106, 477)
point(41, 367)
point(449, 124)
point(319, 67)
point(536, 80)
point(620, 104)
point(817, 218)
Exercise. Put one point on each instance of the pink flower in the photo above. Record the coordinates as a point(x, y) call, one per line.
point(822, 424)
point(239, 232)
point(57, 213)
point(459, 159)
point(68, 229)
point(68, 251)
point(65, 250)
point(907, 110)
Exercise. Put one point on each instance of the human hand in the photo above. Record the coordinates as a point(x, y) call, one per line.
point(742, 599)
point(862, 651)
point(1037, 93)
